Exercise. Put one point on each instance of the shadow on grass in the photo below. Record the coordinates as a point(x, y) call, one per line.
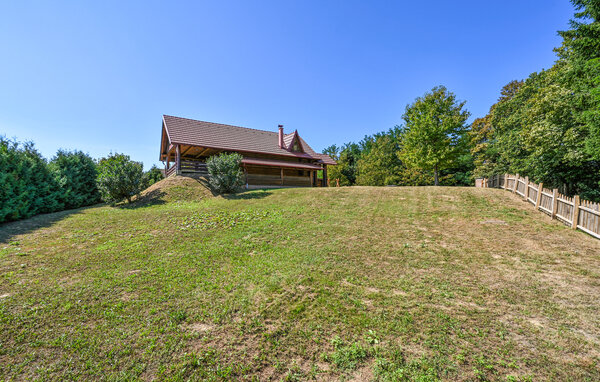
point(152, 198)
point(21, 227)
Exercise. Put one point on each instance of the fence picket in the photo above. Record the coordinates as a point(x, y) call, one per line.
point(538, 198)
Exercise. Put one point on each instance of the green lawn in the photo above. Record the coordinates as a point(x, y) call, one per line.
point(357, 283)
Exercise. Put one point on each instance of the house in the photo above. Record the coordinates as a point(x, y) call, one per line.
point(271, 158)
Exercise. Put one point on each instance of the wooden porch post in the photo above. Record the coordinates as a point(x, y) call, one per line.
point(325, 182)
point(178, 159)
point(282, 176)
point(246, 176)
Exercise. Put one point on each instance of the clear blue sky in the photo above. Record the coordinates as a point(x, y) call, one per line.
point(97, 76)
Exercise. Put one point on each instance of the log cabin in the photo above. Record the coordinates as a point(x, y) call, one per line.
point(270, 158)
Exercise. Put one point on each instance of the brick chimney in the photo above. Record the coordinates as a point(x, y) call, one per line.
point(281, 136)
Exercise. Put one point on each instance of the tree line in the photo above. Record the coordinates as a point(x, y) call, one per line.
point(31, 185)
point(546, 127)
point(431, 147)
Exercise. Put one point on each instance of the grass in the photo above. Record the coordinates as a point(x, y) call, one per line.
point(359, 283)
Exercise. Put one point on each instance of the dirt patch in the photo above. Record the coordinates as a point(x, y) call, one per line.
point(199, 327)
point(363, 374)
point(68, 281)
point(494, 221)
point(125, 296)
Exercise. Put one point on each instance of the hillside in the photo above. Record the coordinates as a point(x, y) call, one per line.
point(356, 283)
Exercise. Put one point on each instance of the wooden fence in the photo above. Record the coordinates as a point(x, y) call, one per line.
point(574, 212)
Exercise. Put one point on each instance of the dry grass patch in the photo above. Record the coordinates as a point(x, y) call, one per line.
point(301, 284)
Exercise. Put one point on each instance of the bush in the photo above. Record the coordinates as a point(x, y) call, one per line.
point(225, 172)
point(27, 187)
point(119, 178)
point(152, 176)
point(75, 173)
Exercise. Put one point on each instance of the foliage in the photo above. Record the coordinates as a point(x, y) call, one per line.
point(548, 126)
point(380, 165)
point(225, 172)
point(347, 356)
point(119, 178)
point(434, 135)
point(27, 186)
point(459, 173)
point(481, 135)
point(152, 176)
point(375, 161)
point(347, 158)
point(75, 173)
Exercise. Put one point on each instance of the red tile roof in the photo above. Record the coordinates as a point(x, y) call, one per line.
point(234, 138)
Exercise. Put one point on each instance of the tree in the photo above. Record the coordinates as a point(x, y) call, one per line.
point(581, 50)
point(484, 150)
point(347, 159)
point(75, 172)
point(548, 127)
point(380, 165)
point(119, 178)
point(27, 187)
point(434, 133)
point(152, 176)
point(225, 172)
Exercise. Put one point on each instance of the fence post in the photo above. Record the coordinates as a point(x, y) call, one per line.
point(539, 195)
point(554, 202)
point(515, 184)
point(526, 193)
point(575, 211)
point(505, 181)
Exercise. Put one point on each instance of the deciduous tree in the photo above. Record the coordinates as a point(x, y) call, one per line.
point(434, 133)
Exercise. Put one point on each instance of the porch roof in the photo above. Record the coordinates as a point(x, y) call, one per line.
point(218, 136)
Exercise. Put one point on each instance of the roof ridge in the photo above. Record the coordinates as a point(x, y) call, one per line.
point(223, 124)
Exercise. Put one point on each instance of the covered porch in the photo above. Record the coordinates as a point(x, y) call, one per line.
point(259, 170)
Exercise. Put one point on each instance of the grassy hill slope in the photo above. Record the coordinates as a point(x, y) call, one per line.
point(353, 283)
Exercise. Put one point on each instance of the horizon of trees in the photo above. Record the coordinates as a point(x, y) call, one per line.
point(31, 185)
point(546, 127)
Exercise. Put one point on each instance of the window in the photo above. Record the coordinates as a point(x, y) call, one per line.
point(296, 146)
